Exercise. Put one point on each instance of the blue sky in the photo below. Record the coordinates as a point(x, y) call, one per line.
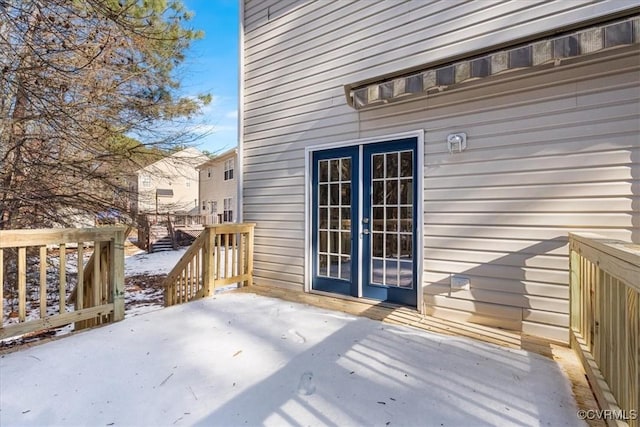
point(211, 66)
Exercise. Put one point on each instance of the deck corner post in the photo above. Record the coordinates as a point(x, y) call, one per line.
point(117, 269)
point(250, 255)
point(574, 290)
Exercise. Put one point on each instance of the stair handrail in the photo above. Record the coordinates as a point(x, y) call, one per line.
point(181, 265)
point(221, 255)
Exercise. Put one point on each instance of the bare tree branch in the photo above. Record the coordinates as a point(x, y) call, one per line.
point(81, 83)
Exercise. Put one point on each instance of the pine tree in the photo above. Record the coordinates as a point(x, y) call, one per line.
point(81, 83)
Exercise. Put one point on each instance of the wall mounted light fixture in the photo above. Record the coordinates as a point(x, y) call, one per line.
point(457, 142)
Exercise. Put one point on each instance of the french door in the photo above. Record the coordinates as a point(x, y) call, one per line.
point(364, 221)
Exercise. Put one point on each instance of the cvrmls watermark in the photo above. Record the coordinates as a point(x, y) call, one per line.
point(608, 414)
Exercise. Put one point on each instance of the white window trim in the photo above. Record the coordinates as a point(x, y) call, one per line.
point(227, 207)
point(308, 186)
point(229, 169)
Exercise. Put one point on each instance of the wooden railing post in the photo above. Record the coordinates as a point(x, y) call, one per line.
point(62, 271)
point(208, 262)
point(94, 285)
point(22, 283)
point(250, 256)
point(117, 274)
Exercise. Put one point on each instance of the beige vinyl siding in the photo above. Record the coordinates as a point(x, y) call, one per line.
point(383, 37)
point(551, 150)
point(558, 155)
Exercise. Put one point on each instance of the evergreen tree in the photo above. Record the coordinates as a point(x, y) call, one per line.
point(81, 83)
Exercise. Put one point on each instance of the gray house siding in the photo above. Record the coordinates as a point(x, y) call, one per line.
point(550, 150)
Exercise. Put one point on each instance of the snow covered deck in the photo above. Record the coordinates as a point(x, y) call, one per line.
point(242, 359)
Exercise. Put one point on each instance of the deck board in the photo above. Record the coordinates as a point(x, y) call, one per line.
point(564, 356)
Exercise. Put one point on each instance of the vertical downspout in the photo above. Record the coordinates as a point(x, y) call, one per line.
point(240, 204)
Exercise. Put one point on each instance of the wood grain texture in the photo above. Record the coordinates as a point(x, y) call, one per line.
point(221, 255)
point(605, 317)
point(100, 282)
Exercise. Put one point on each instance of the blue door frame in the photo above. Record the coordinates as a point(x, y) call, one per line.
point(324, 279)
point(386, 231)
point(389, 265)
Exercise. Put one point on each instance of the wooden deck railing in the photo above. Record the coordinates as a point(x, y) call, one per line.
point(25, 256)
point(178, 220)
point(221, 255)
point(605, 321)
point(183, 220)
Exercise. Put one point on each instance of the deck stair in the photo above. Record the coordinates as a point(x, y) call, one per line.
point(160, 239)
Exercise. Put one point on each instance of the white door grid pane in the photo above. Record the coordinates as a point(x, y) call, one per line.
point(392, 219)
point(334, 218)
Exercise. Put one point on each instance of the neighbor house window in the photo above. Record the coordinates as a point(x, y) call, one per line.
point(228, 169)
point(209, 173)
point(228, 210)
point(146, 181)
point(214, 206)
point(204, 205)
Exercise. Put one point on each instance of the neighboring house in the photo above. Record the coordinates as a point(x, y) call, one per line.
point(218, 188)
point(169, 185)
point(436, 154)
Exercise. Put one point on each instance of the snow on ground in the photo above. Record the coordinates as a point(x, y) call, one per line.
point(153, 263)
point(144, 274)
point(239, 359)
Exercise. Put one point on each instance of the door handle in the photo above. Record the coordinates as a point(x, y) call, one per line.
point(365, 229)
